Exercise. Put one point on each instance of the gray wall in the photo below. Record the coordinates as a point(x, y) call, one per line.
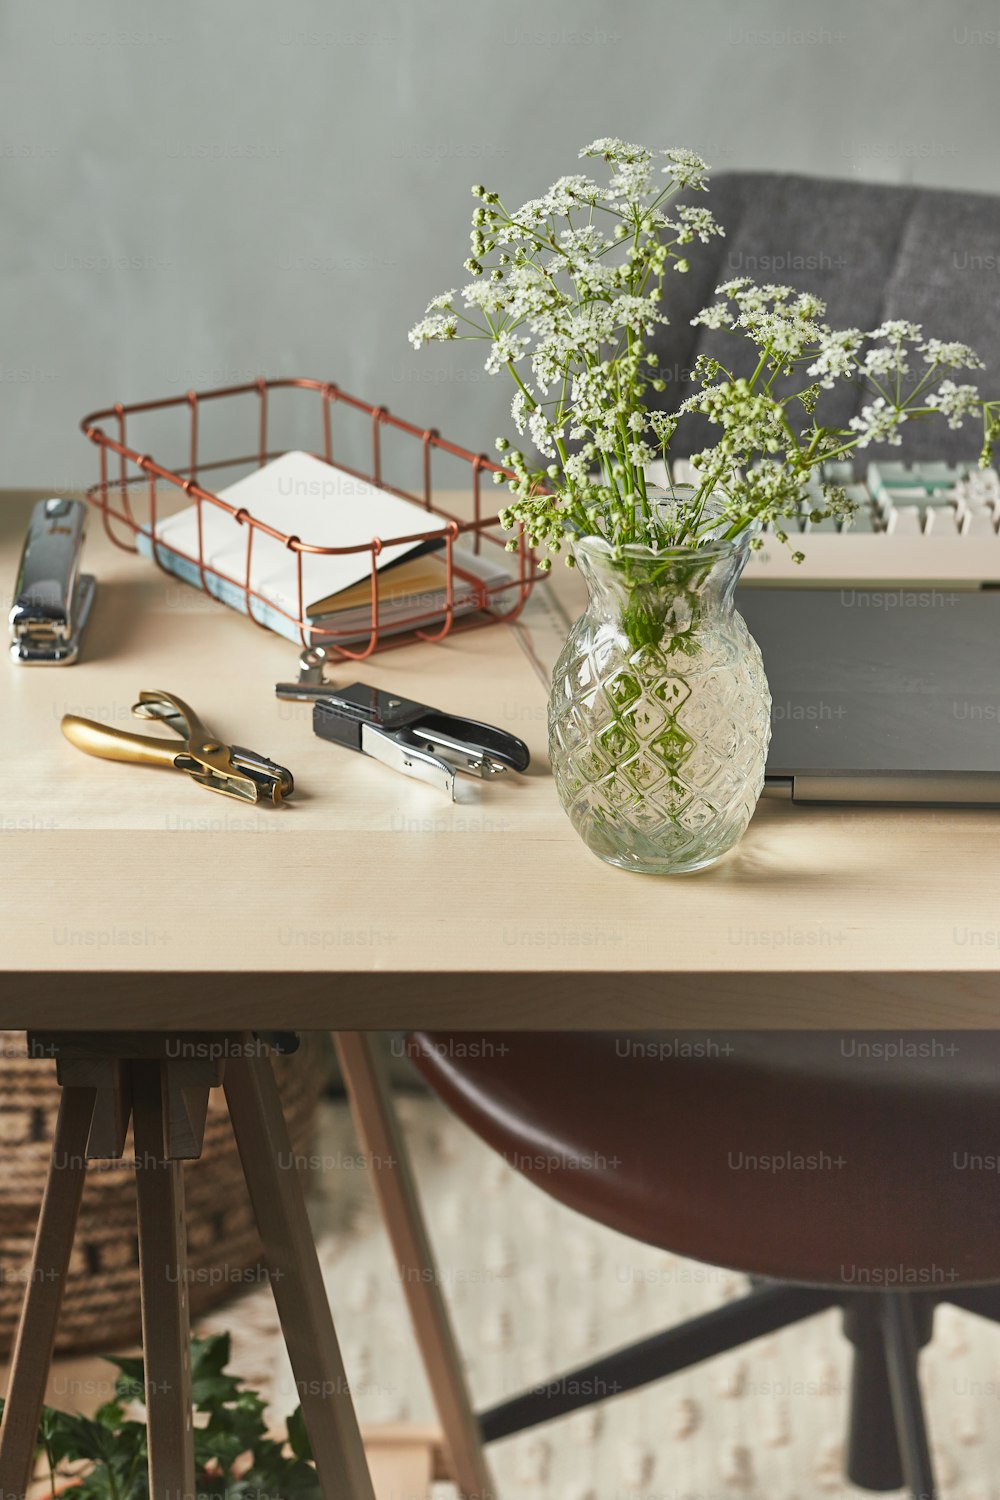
point(196, 193)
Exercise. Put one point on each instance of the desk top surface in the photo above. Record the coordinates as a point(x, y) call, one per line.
point(132, 898)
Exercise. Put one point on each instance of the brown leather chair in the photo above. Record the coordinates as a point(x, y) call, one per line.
point(856, 1170)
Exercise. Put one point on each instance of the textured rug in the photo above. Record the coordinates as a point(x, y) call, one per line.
point(534, 1290)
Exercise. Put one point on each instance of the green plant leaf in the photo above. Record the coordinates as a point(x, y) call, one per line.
point(130, 1383)
point(219, 1444)
point(210, 1385)
point(236, 1428)
point(278, 1476)
point(80, 1437)
point(116, 1447)
point(298, 1437)
point(110, 1414)
point(210, 1355)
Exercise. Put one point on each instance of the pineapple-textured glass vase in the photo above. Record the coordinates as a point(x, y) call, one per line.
point(659, 714)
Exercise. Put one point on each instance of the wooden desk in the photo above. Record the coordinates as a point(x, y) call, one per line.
point(134, 899)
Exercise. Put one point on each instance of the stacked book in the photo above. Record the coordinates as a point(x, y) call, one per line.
point(324, 506)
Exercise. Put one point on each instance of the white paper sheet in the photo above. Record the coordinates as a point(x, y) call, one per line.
point(304, 497)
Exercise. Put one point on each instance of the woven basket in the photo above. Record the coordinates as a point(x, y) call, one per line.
point(101, 1302)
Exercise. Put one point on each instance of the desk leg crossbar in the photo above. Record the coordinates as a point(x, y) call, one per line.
point(162, 1083)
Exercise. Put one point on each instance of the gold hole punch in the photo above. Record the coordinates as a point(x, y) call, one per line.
point(227, 769)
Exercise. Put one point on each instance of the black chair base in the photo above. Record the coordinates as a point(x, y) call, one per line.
point(887, 1438)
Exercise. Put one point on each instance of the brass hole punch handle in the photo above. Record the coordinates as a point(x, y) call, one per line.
point(226, 769)
point(118, 744)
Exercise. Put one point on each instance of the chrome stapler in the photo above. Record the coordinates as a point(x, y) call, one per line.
point(52, 598)
point(413, 738)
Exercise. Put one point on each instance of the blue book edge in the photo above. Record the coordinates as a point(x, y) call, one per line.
point(220, 588)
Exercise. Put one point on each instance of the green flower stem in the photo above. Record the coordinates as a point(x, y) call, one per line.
point(761, 365)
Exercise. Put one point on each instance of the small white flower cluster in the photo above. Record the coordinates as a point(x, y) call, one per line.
point(684, 167)
point(774, 318)
point(956, 356)
point(562, 198)
point(434, 326)
point(788, 330)
point(890, 359)
point(878, 422)
point(695, 222)
point(507, 349)
point(687, 169)
point(751, 421)
point(567, 292)
point(836, 355)
point(955, 402)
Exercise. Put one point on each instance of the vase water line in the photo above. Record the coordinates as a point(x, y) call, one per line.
point(659, 712)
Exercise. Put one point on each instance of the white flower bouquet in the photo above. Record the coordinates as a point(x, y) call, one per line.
point(567, 291)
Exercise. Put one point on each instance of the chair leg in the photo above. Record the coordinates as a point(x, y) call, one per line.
point(873, 1458)
point(296, 1279)
point(36, 1333)
point(902, 1348)
point(166, 1333)
point(392, 1178)
point(759, 1312)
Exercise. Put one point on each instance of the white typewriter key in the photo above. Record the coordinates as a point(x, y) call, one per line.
point(905, 520)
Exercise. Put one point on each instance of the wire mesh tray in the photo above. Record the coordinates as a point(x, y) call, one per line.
point(134, 491)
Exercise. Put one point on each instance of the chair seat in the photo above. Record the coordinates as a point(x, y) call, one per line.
point(862, 1160)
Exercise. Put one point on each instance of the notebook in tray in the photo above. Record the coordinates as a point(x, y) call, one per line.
point(300, 495)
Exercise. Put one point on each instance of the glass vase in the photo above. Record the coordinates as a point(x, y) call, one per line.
point(659, 712)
